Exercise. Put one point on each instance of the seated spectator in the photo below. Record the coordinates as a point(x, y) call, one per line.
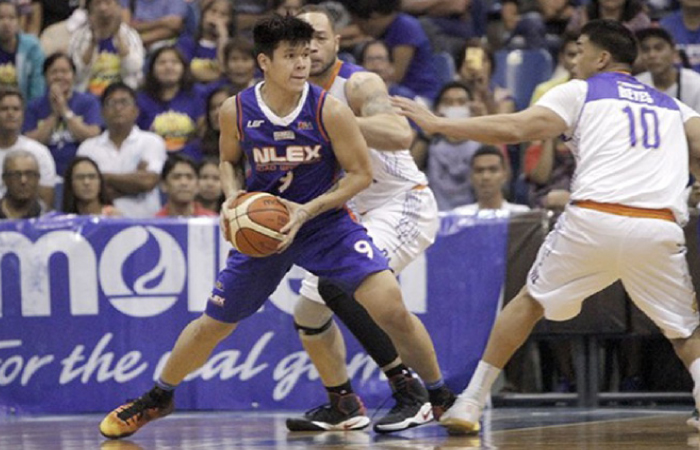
point(55, 38)
point(566, 60)
point(84, 191)
point(179, 183)
point(549, 168)
point(239, 67)
point(20, 174)
point(204, 51)
point(684, 26)
point(658, 55)
point(21, 57)
point(449, 23)
point(285, 7)
point(169, 104)
point(560, 19)
point(11, 118)
point(55, 11)
point(29, 16)
point(130, 159)
point(475, 65)
point(211, 195)
point(105, 49)
point(409, 45)
point(489, 176)
point(446, 161)
point(376, 58)
point(62, 118)
point(212, 130)
point(155, 20)
point(630, 13)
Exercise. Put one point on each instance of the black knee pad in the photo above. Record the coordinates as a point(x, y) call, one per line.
point(332, 294)
point(307, 331)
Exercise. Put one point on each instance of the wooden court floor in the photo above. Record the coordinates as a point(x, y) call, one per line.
point(552, 428)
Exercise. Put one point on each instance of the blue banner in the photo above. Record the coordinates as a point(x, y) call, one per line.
point(90, 308)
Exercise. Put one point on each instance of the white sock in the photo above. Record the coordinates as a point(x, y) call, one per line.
point(480, 385)
point(695, 373)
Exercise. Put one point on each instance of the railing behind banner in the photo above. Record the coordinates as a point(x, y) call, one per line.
point(609, 322)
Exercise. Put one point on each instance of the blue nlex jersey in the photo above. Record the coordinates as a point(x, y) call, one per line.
point(290, 156)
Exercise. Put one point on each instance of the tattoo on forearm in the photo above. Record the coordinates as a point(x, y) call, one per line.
point(376, 103)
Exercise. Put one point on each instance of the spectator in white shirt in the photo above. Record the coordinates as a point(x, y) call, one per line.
point(105, 49)
point(488, 178)
point(11, 119)
point(130, 159)
point(658, 55)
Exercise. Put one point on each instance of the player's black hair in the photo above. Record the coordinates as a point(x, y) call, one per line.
point(660, 33)
point(614, 38)
point(268, 33)
point(488, 150)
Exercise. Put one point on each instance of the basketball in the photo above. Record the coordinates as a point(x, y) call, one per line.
point(254, 221)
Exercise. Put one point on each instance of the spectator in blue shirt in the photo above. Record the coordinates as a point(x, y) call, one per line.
point(204, 50)
point(170, 105)
point(21, 56)
point(155, 20)
point(376, 58)
point(684, 26)
point(63, 117)
point(409, 45)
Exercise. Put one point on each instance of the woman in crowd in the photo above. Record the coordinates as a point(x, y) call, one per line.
point(205, 49)
point(84, 191)
point(63, 117)
point(210, 136)
point(170, 105)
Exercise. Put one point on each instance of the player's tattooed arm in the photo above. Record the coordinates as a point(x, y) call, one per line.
point(381, 126)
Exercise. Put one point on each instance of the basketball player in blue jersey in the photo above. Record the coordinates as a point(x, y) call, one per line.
point(634, 147)
point(400, 214)
point(294, 140)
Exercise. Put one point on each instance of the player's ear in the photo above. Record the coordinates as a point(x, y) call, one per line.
point(263, 61)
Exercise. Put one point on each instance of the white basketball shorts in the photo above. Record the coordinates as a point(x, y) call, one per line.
point(588, 250)
point(402, 228)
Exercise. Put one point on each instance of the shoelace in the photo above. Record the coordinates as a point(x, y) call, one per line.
point(136, 408)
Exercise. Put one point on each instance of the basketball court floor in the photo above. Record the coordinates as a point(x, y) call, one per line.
point(554, 428)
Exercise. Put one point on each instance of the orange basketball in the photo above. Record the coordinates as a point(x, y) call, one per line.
point(254, 223)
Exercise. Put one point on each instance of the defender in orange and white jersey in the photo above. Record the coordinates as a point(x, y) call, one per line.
point(633, 146)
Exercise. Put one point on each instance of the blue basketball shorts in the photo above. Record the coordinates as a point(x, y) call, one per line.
point(331, 246)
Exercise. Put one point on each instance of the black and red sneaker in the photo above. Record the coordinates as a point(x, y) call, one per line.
point(130, 417)
point(344, 412)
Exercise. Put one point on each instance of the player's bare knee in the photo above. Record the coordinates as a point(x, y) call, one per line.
point(208, 329)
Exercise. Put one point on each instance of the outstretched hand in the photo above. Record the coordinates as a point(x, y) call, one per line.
point(416, 112)
point(298, 216)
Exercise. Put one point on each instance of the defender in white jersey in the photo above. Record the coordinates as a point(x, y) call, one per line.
point(400, 214)
point(633, 145)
